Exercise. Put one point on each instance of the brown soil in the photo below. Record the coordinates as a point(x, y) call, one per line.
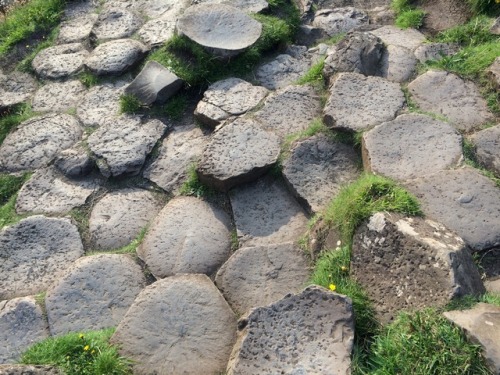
point(443, 14)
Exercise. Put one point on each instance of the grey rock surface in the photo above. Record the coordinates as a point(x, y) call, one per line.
point(248, 6)
point(60, 61)
point(115, 23)
point(115, 57)
point(435, 51)
point(339, 20)
point(172, 319)
point(58, 96)
point(28, 370)
point(94, 293)
point(487, 144)
point(100, 104)
point(398, 64)
point(494, 72)
point(392, 35)
point(495, 28)
point(74, 161)
point(34, 253)
point(157, 31)
point(282, 71)
point(307, 333)
point(155, 8)
point(188, 236)
point(76, 30)
point(16, 88)
point(492, 286)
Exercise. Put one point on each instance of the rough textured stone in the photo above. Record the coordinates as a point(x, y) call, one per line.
point(34, 252)
point(182, 148)
point(172, 319)
point(317, 168)
point(28, 370)
point(121, 145)
point(494, 72)
point(100, 104)
point(441, 15)
point(265, 213)
point(156, 8)
point(411, 263)
point(60, 61)
point(284, 70)
point(487, 144)
point(49, 192)
point(392, 35)
point(119, 217)
point(482, 326)
point(58, 97)
point(399, 64)
point(188, 236)
point(492, 286)
point(362, 4)
point(94, 293)
point(157, 31)
point(115, 23)
point(248, 6)
point(463, 200)
point(339, 20)
point(448, 95)
point(258, 276)
point(239, 152)
point(15, 88)
point(495, 28)
point(22, 324)
point(435, 51)
point(74, 161)
point(37, 141)
point(115, 57)
point(76, 30)
point(357, 102)
point(308, 333)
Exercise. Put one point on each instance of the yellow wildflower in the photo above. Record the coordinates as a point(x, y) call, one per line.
point(86, 347)
point(92, 352)
point(343, 268)
point(80, 335)
point(332, 287)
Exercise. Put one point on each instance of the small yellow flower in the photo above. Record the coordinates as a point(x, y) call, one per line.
point(86, 347)
point(332, 287)
point(92, 352)
point(80, 335)
point(343, 268)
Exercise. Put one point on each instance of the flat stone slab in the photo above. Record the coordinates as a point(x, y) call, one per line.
point(448, 95)
point(22, 324)
point(487, 144)
point(34, 253)
point(172, 319)
point(100, 104)
point(60, 61)
point(282, 71)
point(16, 88)
point(154, 8)
point(182, 148)
point(188, 236)
point(115, 23)
point(463, 200)
point(76, 30)
point(37, 141)
point(50, 192)
point(399, 64)
point(248, 6)
point(238, 152)
point(58, 96)
point(115, 57)
point(358, 102)
point(317, 168)
point(258, 276)
point(392, 35)
point(28, 370)
point(339, 20)
point(307, 333)
point(411, 146)
point(121, 145)
point(492, 286)
point(265, 213)
point(435, 51)
point(226, 98)
point(94, 293)
point(411, 263)
point(482, 325)
point(120, 216)
point(157, 31)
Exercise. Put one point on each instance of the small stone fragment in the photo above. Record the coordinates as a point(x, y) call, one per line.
point(58, 96)
point(60, 61)
point(487, 144)
point(115, 57)
point(339, 20)
point(15, 88)
point(74, 161)
point(115, 23)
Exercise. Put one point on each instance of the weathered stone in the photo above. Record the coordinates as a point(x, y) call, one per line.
point(154, 84)
point(435, 51)
point(156, 8)
point(94, 293)
point(37, 141)
point(188, 236)
point(441, 15)
point(392, 35)
point(317, 168)
point(74, 161)
point(119, 217)
point(339, 20)
point(100, 104)
point(238, 152)
point(34, 252)
point(307, 35)
point(448, 95)
point(248, 6)
point(482, 326)
point(157, 31)
point(411, 263)
point(495, 28)
point(115, 23)
point(362, 4)
point(22, 324)
point(492, 286)
point(121, 145)
point(172, 319)
point(494, 72)
point(115, 57)
point(60, 61)
point(76, 30)
point(265, 213)
point(58, 96)
point(308, 333)
point(15, 88)
point(463, 200)
point(182, 148)
point(281, 72)
point(487, 144)
point(357, 102)
point(382, 15)
point(258, 276)
point(49, 192)
point(28, 370)
point(399, 64)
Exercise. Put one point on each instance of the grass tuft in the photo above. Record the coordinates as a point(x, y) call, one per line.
point(88, 79)
point(314, 75)
point(9, 186)
point(174, 108)
point(129, 104)
point(473, 33)
point(194, 187)
point(127, 249)
point(469, 151)
point(412, 18)
point(489, 7)
point(25, 64)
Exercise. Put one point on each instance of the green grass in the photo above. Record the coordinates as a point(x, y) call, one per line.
point(469, 301)
point(127, 249)
point(399, 6)
point(9, 186)
point(490, 7)
point(84, 353)
point(25, 64)
point(473, 33)
point(88, 79)
point(470, 157)
point(13, 118)
point(174, 108)
point(412, 18)
point(129, 104)
point(314, 75)
point(315, 127)
point(194, 187)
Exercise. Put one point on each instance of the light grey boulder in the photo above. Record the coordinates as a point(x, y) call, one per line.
point(339, 20)
point(34, 253)
point(115, 57)
point(29, 370)
point(188, 236)
point(435, 51)
point(22, 324)
point(100, 104)
point(35, 142)
point(60, 61)
point(307, 333)
point(115, 23)
point(172, 319)
point(392, 35)
point(282, 71)
point(398, 64)
point(120, 216)
point(74, 162)
point(94, 293)
point(157, 31)
point(58, 96)
point(487, 143)
point(16, 88)
point(77, 29)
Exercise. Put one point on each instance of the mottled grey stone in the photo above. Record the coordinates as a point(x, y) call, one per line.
point(248, 6)
point(115, 23)
point(34, 252)
point(156, 8)
point(435, 51)
point(307, 333)
point(284, 70)
point(188, 236)
point(398, 64)
point(29, 370)
point(494, 72)
point(157, 31)
point(100, 104)
point(74, 161)
point(115, 57)
point(339, 20)
point(15, 88)
point(94, 293)
point(76, 30)
point(392, 35)
point(172, 319)
point(307, 35)
point(487, 144)
point(492, 286)
point(60, 61)
point(495, 28)
point(362, 4)
point(58, 96)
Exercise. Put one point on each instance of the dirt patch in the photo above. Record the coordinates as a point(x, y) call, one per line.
point(443, 14)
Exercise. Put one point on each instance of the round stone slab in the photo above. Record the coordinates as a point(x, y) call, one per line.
point(58, 97)
point(94, 293)
point(37, 141)
point(411, 146)
point(392, 35)
point(15, 88)
point(487, 144)
point(76, 29)
point(34, 252)
point(357, 102)
point(172, 319)
point(115, 23)
point(100, 104)
point(238, 152)
point(188, 236)
point(281, 72)
point(224, 29)
point(60, 61)
point(115, 57)
point(119, 217)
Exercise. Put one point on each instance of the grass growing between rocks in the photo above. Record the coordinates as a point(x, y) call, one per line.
point(314, 76)
point(406, 15)
point(127, 249)
point(469, 151)
point(13, 118)
point(25, 64)
point(129, 104)
point(9, 186)
point(194, 187)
